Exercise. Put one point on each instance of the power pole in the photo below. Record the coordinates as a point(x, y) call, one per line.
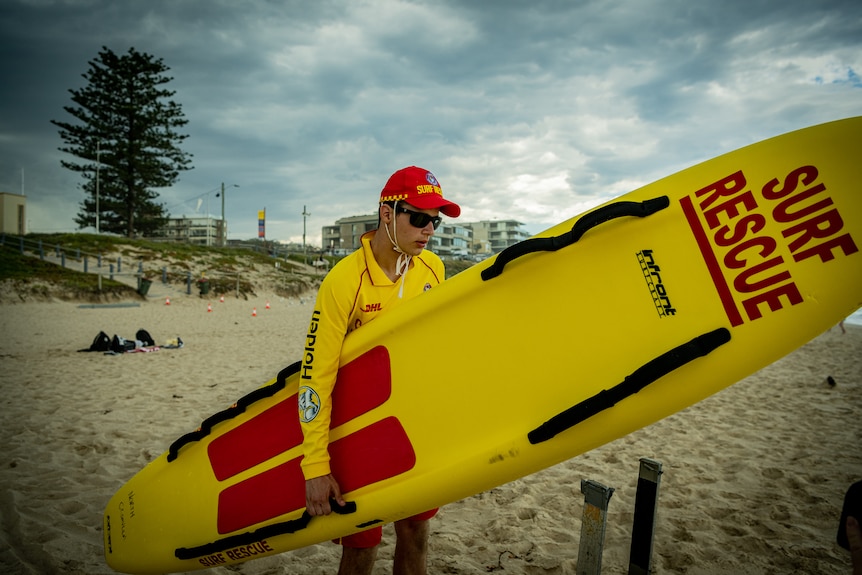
point(223, 239)
point(305, 214)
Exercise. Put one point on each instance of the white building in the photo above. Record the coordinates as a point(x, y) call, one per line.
point(13, 214)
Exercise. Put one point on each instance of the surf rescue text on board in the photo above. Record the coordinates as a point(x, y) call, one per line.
point(750, 238)
point(236, 554)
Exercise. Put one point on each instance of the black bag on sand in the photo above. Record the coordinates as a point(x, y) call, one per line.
point(101, 343)
point(121, 345)
point(145, 338)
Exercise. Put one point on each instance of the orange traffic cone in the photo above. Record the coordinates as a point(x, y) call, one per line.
point(167, 301)
point(254, 312)
point(209, 307)
point(221, 299)
point(267, 305)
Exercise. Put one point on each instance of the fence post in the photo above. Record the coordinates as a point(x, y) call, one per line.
point(63, 259)
point(111, 276)
point(57, 250)
point(189, 283)
point(120, 264)
point(646, 506)
point(593, 524)
point(85, 264)
point(41, 251)
point(164, 274)
point(99, 261)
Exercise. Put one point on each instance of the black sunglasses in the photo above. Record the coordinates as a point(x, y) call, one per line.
point(419, 219)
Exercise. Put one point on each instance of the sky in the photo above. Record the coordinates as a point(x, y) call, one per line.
point(532, 110)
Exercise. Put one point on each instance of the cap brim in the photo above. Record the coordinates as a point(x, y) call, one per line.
point(433, 202)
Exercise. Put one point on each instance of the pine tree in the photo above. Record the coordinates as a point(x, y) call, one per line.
point(127, 139)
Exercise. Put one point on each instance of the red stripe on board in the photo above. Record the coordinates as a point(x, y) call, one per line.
point(372, 454)
point(362, 385)
point(711, 261)
point(272, 432)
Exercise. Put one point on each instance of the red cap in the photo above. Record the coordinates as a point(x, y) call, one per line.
point(419, 188)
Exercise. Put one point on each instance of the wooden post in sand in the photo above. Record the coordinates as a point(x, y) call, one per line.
point(593, 524)
point(643, 528)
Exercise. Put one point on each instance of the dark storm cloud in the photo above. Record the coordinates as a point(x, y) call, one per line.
point(526, 110)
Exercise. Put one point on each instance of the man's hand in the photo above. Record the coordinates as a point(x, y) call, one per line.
point(319, 491)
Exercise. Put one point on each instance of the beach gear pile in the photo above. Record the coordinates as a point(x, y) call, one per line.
point(142, 342)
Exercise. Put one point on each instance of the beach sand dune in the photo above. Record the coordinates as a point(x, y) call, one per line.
point(753, 481)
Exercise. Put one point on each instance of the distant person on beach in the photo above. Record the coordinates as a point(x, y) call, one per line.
point(849, 530)
point(390, 267)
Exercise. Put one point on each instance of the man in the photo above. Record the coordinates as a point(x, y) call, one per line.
point(854, 537)
point(390, 267)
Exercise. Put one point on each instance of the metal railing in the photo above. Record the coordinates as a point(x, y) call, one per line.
point(113, 269)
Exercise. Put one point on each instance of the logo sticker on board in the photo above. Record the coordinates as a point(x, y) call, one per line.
point(657, 288)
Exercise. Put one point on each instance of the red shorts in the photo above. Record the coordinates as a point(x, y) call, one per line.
point(371, 537)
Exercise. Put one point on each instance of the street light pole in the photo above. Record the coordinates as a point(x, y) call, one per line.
point(223, 222)
point(304, 215)
point(208, 220)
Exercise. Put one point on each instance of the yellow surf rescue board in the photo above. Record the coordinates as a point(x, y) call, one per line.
point(593, 329)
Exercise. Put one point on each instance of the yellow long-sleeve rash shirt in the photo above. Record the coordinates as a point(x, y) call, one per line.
point(355, 292)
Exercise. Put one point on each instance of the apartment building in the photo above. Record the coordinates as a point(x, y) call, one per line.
point(452, 239)
point(201, 231)
point(342, 237)
point(493, 236)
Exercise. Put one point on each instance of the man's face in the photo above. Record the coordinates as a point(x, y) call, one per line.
point(410, 238)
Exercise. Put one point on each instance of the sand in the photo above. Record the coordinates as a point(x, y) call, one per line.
point(753, 479)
